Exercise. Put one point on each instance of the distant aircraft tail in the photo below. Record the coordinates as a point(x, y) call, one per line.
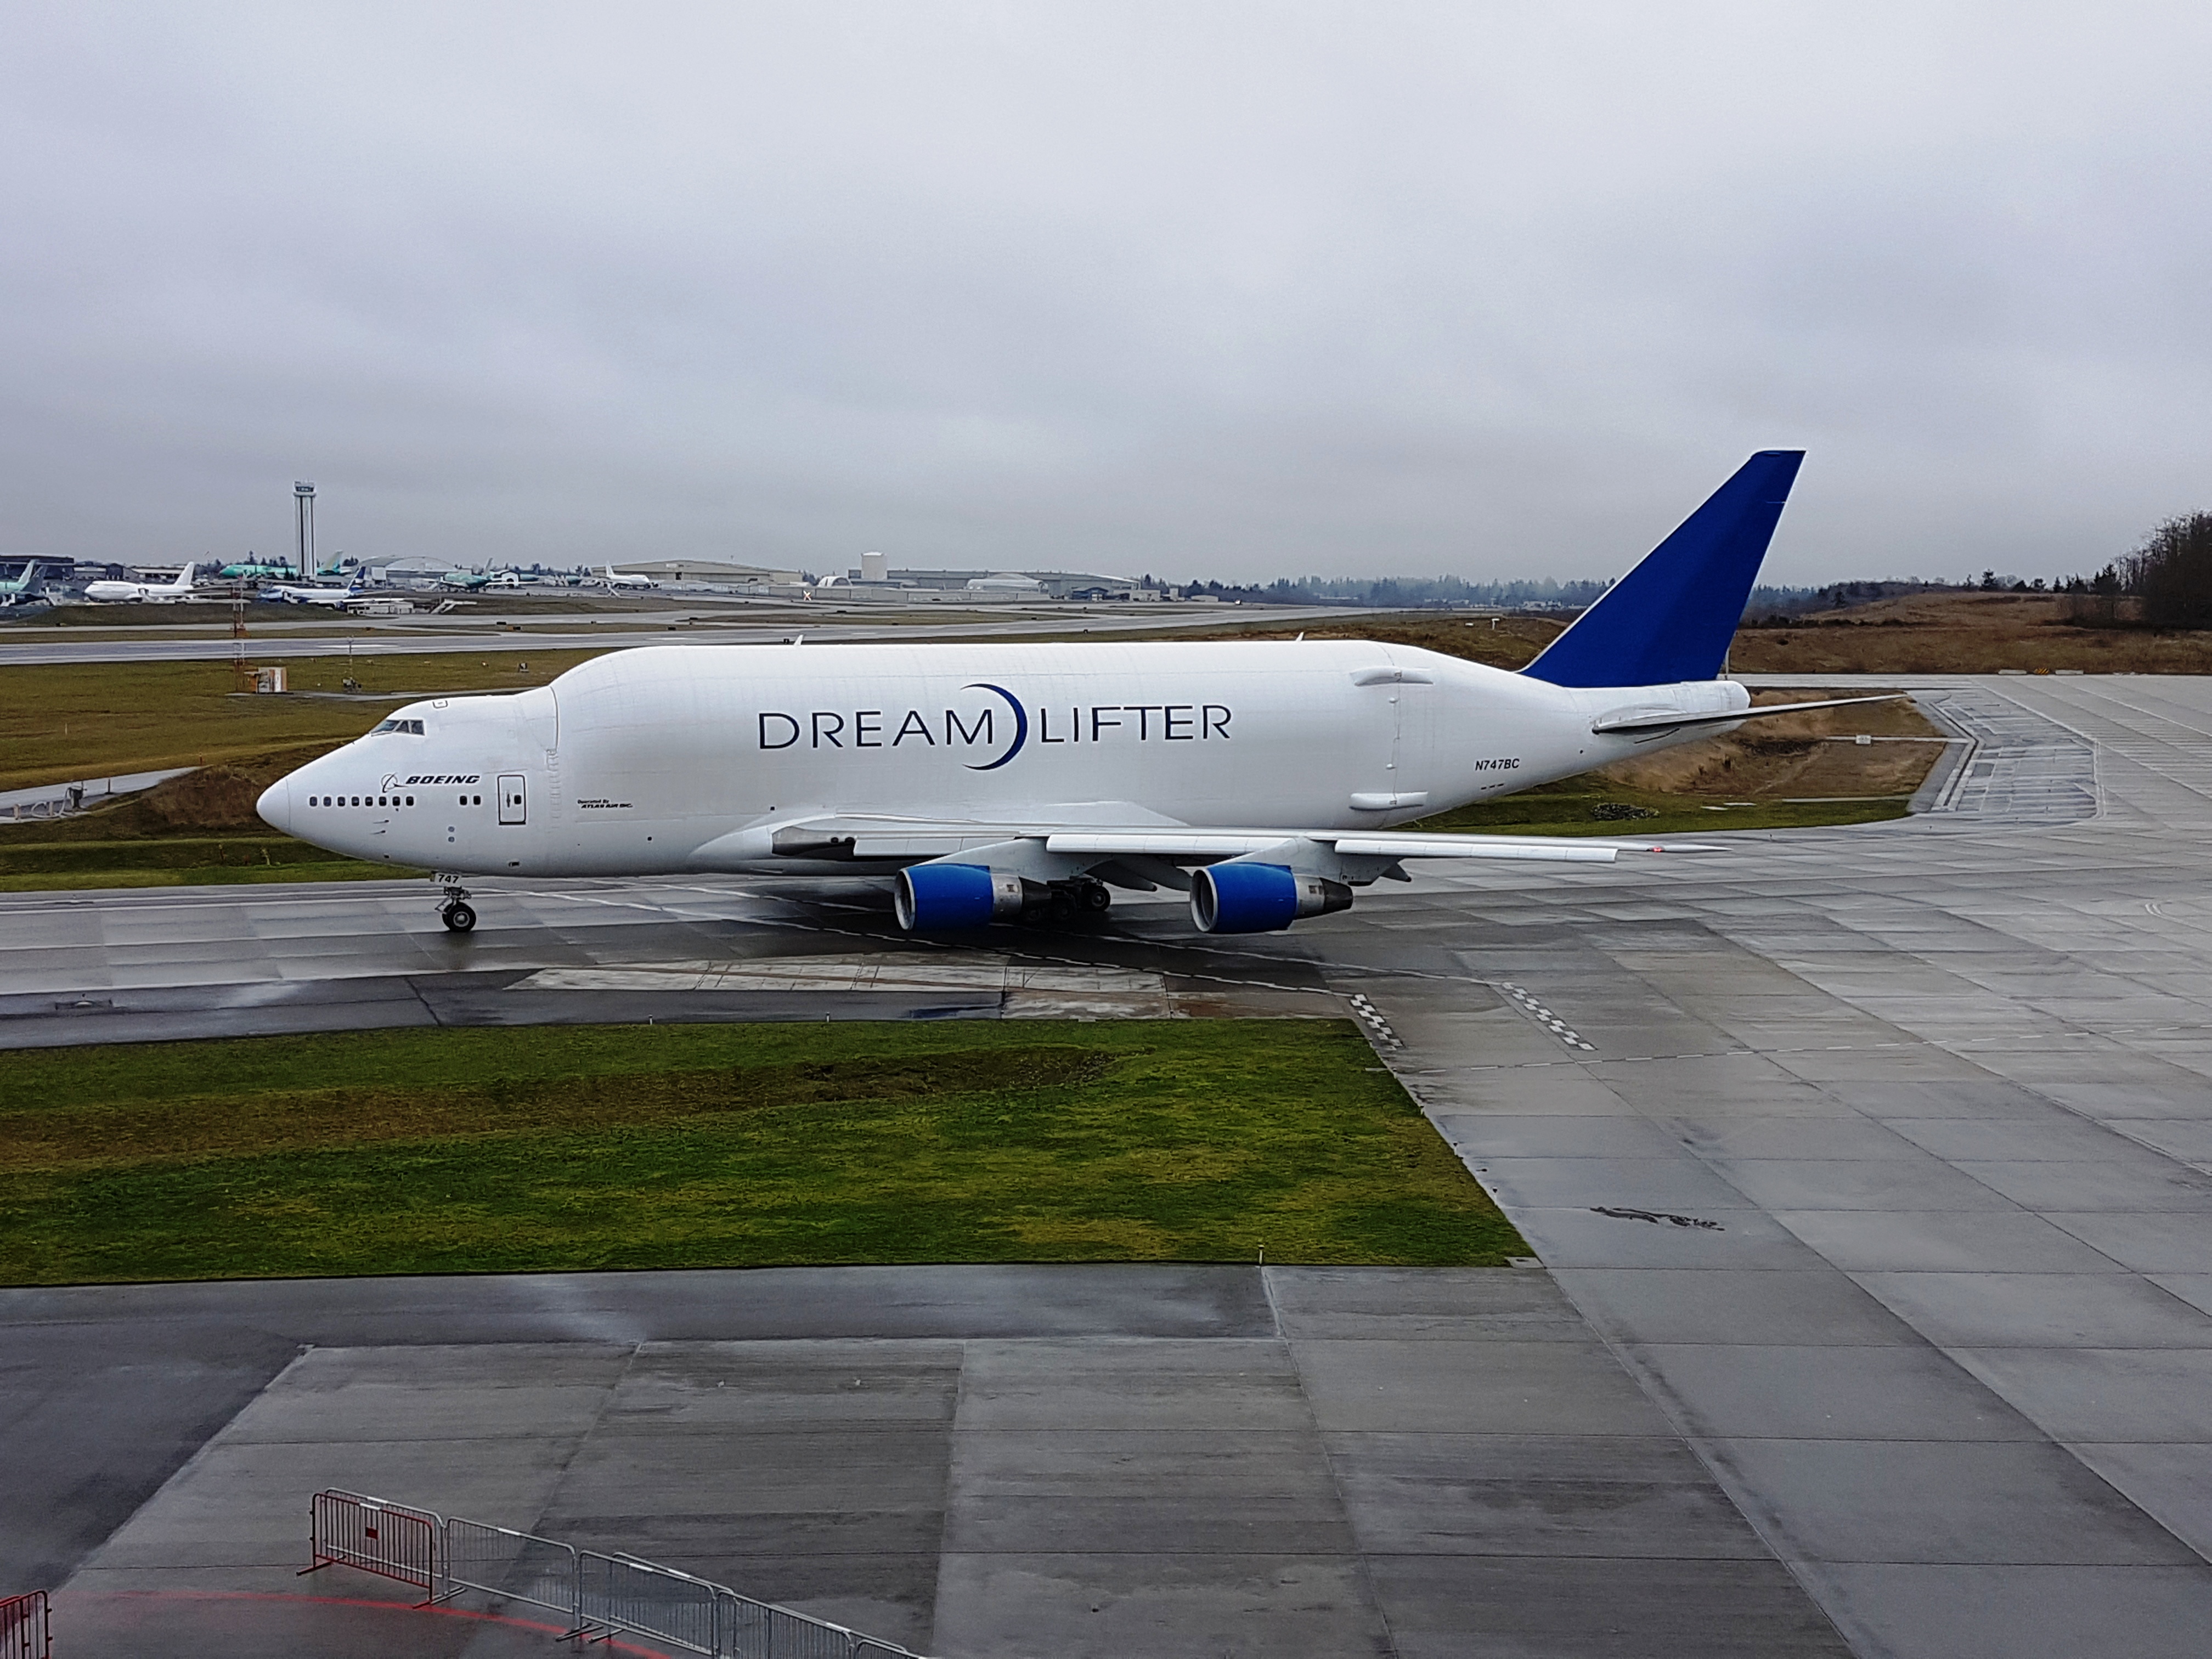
point(1671, 618)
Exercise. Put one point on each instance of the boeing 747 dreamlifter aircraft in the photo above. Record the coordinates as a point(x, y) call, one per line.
point(988, 781)
point(142, 592)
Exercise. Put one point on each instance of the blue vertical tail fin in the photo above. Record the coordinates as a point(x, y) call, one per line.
point(1671, 617)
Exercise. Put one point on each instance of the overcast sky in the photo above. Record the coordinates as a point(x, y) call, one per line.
point(1219, 289)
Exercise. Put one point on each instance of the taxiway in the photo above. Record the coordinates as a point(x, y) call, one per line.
point(1879, 1159)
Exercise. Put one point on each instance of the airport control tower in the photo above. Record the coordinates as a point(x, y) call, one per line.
point(303, 498)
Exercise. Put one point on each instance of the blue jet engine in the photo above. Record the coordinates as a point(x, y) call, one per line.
point(1259, 898)
point(930, 896)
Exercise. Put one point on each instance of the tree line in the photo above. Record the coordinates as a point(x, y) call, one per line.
point(2165, 582)
point(2168, 579)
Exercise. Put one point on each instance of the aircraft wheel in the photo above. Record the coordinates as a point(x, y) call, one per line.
point(1061, 906)
point(458, 917)
point(1096, 898)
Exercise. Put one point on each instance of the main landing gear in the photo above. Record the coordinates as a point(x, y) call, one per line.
point(1071, 899)
point(456, 912)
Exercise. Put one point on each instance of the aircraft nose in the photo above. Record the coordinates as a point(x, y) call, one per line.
point(275, 805)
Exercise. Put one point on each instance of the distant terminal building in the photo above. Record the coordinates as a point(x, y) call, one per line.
point(402, 571)
point(715, 572)
point(1038, 584)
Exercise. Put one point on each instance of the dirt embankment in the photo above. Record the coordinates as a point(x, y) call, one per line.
point(214, 798)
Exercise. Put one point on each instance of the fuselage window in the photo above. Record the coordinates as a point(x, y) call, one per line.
point(411, 801)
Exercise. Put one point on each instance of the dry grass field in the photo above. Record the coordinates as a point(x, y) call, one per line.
point(1964, 634)
point(1920, 634)
point(1503, 642)
point(94, 720)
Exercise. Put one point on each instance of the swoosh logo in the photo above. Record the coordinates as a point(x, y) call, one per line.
point(1021, 725)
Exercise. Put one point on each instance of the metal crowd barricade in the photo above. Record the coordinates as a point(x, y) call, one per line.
point(759, 1630)
point(599, 1594)
point(347, 1529)
point(518, 1566)
point(620, 1593)
point(26, 1626)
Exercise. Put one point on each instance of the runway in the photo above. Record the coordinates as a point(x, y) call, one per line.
point(274, 641)
point(1879, 1158)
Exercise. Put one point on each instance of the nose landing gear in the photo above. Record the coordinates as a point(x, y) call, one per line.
point(456, 912)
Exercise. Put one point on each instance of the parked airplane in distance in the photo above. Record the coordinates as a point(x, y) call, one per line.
point(23, 581)
point(293, 594)
point(621, 581)
point(114, 593)
point(992, 782)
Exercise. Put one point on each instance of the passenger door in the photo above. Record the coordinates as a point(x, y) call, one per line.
point(513, 799)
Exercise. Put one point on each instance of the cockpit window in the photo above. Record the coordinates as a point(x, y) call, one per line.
point(412, 726)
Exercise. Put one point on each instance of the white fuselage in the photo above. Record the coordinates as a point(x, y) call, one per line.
point(685, 758)
point(113, 592)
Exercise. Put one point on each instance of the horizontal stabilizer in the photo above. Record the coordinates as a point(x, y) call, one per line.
point(1644, 720)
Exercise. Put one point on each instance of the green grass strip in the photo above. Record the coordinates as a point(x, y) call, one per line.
point(566, 1148)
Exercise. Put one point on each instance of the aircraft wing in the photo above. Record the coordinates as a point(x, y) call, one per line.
point(862, 838)
point(1365, 843)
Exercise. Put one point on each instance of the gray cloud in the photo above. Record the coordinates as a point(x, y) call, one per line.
point(1238, 290)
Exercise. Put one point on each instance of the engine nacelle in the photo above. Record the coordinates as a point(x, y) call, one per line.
point(1258, 898)
point(930, 896)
